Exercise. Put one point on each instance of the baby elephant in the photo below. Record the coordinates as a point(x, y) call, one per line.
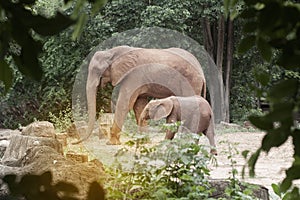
point(194, 111)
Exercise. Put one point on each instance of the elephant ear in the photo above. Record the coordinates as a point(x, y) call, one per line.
point(161, 110)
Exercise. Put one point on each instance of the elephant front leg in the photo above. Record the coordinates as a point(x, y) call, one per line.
point(114, 138)
point(171, 119)
point(169, 135)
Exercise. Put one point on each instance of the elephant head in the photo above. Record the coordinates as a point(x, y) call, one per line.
point(156, 109)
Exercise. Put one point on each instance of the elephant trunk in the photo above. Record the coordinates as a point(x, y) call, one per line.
point(91, 91)
point(142, 122)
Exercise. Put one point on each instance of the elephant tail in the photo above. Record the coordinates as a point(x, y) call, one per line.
point(80, 141)
point(89, 133)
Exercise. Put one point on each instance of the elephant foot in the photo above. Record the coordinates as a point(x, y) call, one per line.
point(143, 129)
point(214, 152)
point(113, 141)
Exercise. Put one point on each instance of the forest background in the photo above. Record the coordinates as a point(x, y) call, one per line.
point(204, 21)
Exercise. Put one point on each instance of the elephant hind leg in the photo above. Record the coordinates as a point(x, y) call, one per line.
point(138, 108)
point(114, 138)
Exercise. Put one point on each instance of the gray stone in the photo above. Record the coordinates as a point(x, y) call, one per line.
point(19, 145)
point(40, 129)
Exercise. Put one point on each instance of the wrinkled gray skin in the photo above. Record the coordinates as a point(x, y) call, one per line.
point(194, 111)
point(115, 65)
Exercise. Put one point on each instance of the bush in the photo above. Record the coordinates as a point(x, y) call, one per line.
point(172, 169)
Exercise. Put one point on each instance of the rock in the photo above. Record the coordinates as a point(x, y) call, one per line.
point(76, 157)
point(62, 138)
point(248, 125)
point(220, 186)
point(26, 154)
point(40, 159)
point(19, 144)
point(5, 135)
point(72, 131)
point(229, 125)
point(105, 123)
point(78, 130)
point(39, 129)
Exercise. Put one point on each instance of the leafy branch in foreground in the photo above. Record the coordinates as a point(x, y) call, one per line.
point(277, 38)
point(36, 187)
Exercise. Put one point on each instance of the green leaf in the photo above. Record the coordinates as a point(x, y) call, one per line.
point(250, 2)
point(252, 161)
point(264, 49)
point(6, 75)
point(263, 77)
point(245, 153)
point(28, 2)
point(273, 139)
point(97, 5)
point(281, 112)
point(289, 60)
point(52, 26)
point(261, 122)
point(291, 174)
point(250, 27)
point(226, 7)
point(296, 142)
point(28, 62)
point(79, 26)
point(276, 189)
point(284, 88)
point(246, 44)
point(248, 13)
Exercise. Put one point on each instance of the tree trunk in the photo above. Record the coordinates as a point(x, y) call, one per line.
point(219, 62)
point(229, 59)
point(214, 45)
point(208, 37)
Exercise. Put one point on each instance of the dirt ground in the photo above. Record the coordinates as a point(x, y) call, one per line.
point(270, 167)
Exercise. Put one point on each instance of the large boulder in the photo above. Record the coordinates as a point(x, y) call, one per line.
point(20, 144)
point(35, 154)
point(39, 129)
point(41, 159)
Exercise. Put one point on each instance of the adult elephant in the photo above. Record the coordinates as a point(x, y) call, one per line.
point(116, 64)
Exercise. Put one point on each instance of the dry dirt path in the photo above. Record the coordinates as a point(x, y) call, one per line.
point(270, 168)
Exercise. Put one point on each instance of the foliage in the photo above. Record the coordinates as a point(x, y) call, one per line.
point(20, 106)
point(20, 17)
point(36, 187)
point(172, 169)
point(64, 119)
point(293, 193)
point(173, 127)
point(277, 38)
point(59, 61)
point(237, 189)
